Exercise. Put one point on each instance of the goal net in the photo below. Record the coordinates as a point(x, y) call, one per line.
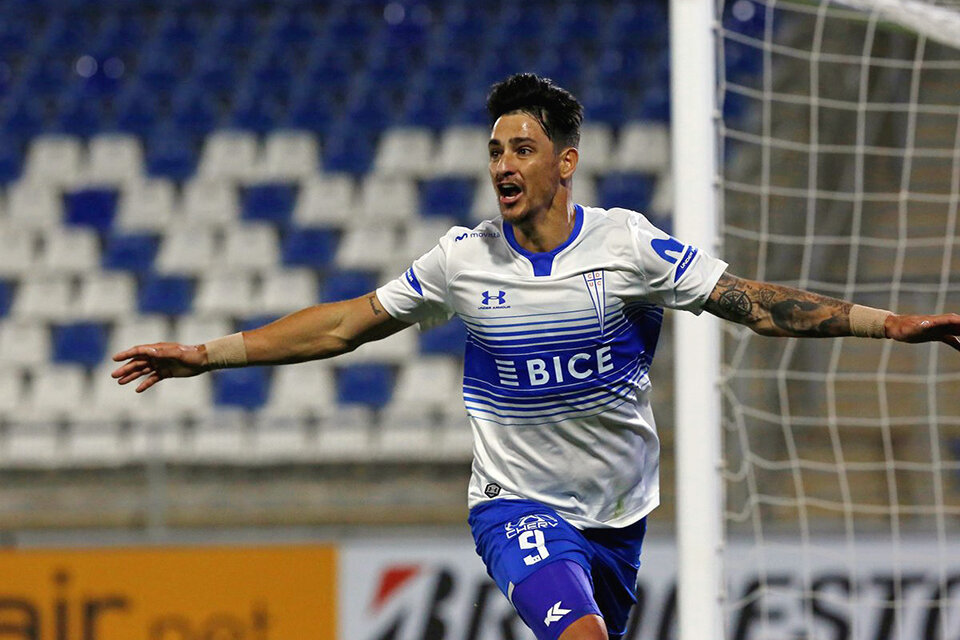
point(839, 142)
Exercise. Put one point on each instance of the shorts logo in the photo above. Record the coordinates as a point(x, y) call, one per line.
point(554, 613)
point(529, 523)
point(492, 490)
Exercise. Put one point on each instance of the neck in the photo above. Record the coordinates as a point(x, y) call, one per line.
point(548, 229)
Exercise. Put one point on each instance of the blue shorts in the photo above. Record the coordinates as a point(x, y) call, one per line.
point(569, 572)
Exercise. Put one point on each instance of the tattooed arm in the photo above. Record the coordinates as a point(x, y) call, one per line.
point(320, 331)
point(775, 310)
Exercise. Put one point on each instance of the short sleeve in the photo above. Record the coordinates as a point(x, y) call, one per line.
point(420, 294)
point(675, 274)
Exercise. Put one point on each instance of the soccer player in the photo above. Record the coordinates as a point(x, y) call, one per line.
point(563, 306)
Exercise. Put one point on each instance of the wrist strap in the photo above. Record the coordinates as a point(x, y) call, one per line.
point(228, 351)
point(867, 322)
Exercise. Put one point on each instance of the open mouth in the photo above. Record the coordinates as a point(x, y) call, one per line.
point(509, 192)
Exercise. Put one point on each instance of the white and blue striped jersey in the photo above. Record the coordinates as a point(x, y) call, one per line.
point(557, 353)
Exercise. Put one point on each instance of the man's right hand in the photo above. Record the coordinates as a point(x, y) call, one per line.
point(159, 361)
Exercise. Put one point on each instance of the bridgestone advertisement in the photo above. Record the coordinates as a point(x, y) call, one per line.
point(437, 589)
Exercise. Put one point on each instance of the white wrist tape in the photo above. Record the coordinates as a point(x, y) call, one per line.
point(867, 322)
point(228, 351)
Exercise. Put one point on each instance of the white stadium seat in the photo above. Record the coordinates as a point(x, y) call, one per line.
point(300, 390)
point(387, 200)
point(596, 149)
point(107, 296)
point(114, 159)
point(430, 382)
point(484, 206)
point(196, 330)
point(225, 294)
point(32, 444)
point(421, 238)
point(463, 151)
point(407, 434)
point(643, 147)
point(159, 438)
point(662, 202)
point(182, 398)
point(11, 390)
point(281, 440)
point(146, 205)
point(228, 156)
point(55, 160)
point(405, 151)
point(209, 202)
point(188, 251)
point(371, 248)
point(34, 205)
point(585, 190)
point(134, 329)
point(95, 443)
point(288, 290)
point(18, 250)
point(47, 298)
point(250, 247)
point(221, 435)
point(347, 435)
point(289, 155)
point(55, 392)
point(24, 343)
point(72, 250)
point(109, 401)
point(324, 201)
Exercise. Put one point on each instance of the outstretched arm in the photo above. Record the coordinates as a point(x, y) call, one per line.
point(320, 331)
point(774, 310)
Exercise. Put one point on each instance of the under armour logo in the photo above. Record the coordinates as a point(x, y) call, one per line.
point(554, 613)
point(501, 297)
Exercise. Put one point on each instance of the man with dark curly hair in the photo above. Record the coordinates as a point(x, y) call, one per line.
point(563, 306)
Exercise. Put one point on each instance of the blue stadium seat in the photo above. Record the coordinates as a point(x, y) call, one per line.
point(294, 27)
point(137, 110)
point(158, 70)
point(258, 111)
point(119, 35)
point(604, 105)
point(194, 111)
point(82, 116)
point(368, 384)
point(656, 105)
point(216, 72)
point(627, 190)
point(309, 247)
point(6, 297)
point(254, 322)
point(47, 77)
point(82, 343)
point(447, 197)
point(348, 149)
point(130, 252)
point(346, 284)
point(232, 30)
point(90, 207)
point(170, 154)
point(426, 109)
point(447, 339)
point(24, 116)
point(179, 28)
point(246, 388)
point(167, 295)
point(269, 202)
point(311, 110)
point(11, 158)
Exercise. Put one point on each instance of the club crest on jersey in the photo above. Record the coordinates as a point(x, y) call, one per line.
point(529, 523)
point(594, 282)
point(493, 300)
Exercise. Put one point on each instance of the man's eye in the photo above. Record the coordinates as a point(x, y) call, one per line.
point(494, 154)
point(523, 151)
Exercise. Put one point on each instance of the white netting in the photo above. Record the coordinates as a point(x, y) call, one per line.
point(840, 141)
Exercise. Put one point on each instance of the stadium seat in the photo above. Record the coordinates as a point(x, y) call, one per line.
point(33, 205)
point(225, 294)
point(114, 160)
point(585, 191)
point(431, 383)
point(346, 285)
point(31, 442)
point(627, 190)
point(208, 201)
point(54, 393)
point(6, 297)
point(661, 205)
point(301, 390)
point(11, 157)
point(43, 298)
point(364, 384)
point(228, 156)
point(219, 436)
point(278, 440)
point(111, 402)
point(387, 200)
point(97, 443)
point(323, 201)
point(137, 329)
point(644, 147)
point(187, 251)
point(288, 156)
point(80, 343)
point(190, 329)
point(146, 206)
point(69, 251)
point(447, 339)
point(309, 247)
point(287, 291)
point(484, 205)
point(244, 388)
point(169, 153)
point(269, 202)
point(407, 434)
point(24, 344)
point(250, 247)
point(450, 197)
point(596, 148)
point(168, 295)
point(54, 160)
point(346, 435)
point(106, 296)
point(463, 151)
point(369, 248)
point(130, 252)
point(348, 148)
point(18, 250)
point(183, 398)
point(94, 208)
point(420, 239)
point(11, 390)
point(405, 151)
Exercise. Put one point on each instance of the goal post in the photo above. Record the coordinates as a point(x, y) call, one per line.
point(816, 144)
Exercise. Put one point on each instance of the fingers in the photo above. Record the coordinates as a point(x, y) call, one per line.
point(953, 341)
point(134, 366)
point(156, 350)
point(149, 382)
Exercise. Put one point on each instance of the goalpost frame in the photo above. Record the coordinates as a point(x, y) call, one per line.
point(697, 339)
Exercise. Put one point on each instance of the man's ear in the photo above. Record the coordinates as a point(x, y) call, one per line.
point(569, 158)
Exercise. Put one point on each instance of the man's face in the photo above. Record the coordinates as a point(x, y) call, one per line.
point(523, 166)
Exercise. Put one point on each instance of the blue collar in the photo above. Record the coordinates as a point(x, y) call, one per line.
point(543, 262)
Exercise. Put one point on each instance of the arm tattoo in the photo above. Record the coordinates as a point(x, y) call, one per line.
point(373, 305)
point(770, 309)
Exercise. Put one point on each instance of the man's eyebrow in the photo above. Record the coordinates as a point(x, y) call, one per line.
point(514, 141)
